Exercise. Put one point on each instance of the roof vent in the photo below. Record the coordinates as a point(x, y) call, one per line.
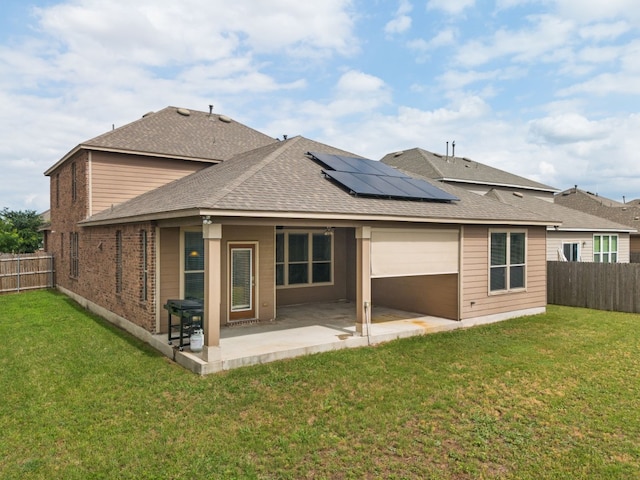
point(397, 154)
point(467, 159)
point(224, 118)
point(518, 194)
point(437, 155)
point(147, 114)
point(184, 111)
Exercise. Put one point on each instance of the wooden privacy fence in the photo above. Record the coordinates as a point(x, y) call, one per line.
point(26, 272)
point(602, 286)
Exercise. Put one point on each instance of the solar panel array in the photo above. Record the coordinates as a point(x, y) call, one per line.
point(372, 178)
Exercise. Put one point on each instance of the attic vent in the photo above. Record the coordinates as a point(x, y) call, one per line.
point(397, 154)
point(518, 194)
point(184, 111)
point(467, 159)
point(147, 114)
point(224, 118)
point(438, 155)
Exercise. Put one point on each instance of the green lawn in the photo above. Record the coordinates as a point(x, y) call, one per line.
point(550, 396)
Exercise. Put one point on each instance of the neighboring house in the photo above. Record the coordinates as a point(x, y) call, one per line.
point(585, 238)
point(465, 173)
point(278, 225)
point(581, 237)
point(622, 213)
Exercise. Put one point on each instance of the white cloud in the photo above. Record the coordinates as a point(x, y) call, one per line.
point(545, 36)
point(589, 10)
point(452, 7)
point(401, 22)
point(604, 31)
point(568, 128)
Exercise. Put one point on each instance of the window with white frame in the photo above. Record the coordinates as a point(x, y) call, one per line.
point(571, 251)
point(507, 269)
point(605, 248)
point(304, 258)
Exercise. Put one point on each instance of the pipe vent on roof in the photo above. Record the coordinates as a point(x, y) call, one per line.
point(147, 114)
point(184, 111)
point(224, 118)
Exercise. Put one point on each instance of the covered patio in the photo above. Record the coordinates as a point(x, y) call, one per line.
point(306, 329)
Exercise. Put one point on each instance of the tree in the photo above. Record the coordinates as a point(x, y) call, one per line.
point(19, 231)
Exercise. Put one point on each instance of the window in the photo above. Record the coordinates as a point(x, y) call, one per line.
point(73, 255)
point(571, 251)
point(508, 266)
point(605, 248)
point(118, 261)
point(303, 258)
point(74, 183)
point(193, 265)
point(144, 269)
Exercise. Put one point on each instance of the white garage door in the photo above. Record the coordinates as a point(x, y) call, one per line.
point(398, 253)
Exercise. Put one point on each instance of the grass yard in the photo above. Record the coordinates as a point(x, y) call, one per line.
point(546, 397)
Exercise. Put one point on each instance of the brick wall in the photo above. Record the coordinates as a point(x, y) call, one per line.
point(96, 276)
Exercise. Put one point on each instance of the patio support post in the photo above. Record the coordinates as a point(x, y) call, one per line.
point(212, 234)
point(363, 278)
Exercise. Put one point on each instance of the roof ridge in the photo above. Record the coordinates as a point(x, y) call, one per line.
point(230, 187)
point(423, 153)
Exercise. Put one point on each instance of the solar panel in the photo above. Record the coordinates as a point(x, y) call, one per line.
point(341, 163)
point(371, 178)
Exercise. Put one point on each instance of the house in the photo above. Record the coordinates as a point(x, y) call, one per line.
point(623, 213)
point(465, 173)
point(285, 223)
point(579, 237)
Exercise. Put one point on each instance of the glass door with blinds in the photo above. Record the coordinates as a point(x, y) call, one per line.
point(242, 291)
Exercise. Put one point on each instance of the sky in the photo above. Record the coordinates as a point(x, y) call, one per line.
point(546, 89)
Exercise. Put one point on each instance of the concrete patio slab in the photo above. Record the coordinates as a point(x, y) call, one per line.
point(306, 329)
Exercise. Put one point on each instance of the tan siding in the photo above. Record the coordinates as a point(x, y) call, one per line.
point(119, 177)
point(476, 301)
point(325, 293)
point(428, 294)
point(169, 270)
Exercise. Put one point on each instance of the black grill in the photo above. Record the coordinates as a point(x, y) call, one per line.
point(190, 313)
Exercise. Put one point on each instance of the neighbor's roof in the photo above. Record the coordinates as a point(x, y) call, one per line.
point(580, 200)
point(281, 180)
point(456, 169)
point(572, 220)
point(178, 133)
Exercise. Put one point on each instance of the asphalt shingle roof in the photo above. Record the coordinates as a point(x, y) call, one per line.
point(571, 219)
point(580, 200)
point(281, 178)
point(188, 135)
point(456, 169)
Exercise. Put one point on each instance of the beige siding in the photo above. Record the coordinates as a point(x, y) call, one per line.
point(476, 300)
point(585, 239)
point(169, 270)
point(435, 295)
point(343, 269)
point(264, 237)
point(118, 177)
point(400, 252)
